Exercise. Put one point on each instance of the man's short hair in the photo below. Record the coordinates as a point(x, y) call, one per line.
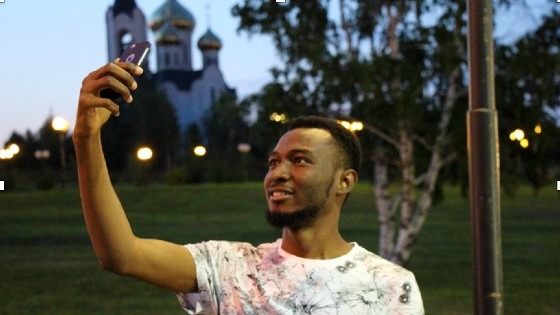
point(347, 143)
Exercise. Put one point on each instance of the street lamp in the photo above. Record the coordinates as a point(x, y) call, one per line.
point(244, 149)
point(352, 125)
point(5, 154)
point(279, 118)
point(538, 129)
point(14, 148)
point(42, 156)
point(199, 151)
point(9, 152)
point(517, 134)
point(61, 125)
point(144, 154)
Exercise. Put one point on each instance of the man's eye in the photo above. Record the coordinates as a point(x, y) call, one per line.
point(300, 160)
point(272, 163)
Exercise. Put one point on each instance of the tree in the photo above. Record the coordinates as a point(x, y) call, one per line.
point(528, 95)
point(149, 121)
point(225, 130)
point(399, 67)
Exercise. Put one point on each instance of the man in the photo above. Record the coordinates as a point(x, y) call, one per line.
point(310, 270)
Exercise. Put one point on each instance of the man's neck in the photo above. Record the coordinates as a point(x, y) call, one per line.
point(314, 244)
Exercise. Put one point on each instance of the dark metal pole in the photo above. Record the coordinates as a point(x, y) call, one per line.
point(483, 154)
point(62, 136)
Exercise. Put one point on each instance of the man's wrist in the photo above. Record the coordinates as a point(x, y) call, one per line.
point(84, 140)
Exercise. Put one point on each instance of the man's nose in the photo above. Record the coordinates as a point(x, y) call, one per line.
point(281, 171)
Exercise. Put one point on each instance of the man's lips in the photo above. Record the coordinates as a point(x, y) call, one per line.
point(279, 194)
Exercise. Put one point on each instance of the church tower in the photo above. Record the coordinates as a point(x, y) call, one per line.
point(173, 25)
point(191, 92)
point(209, 44)
point(126, 24)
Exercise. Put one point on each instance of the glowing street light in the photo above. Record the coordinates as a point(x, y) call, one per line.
point(42, 156)
point(352, 126)
point(279, 118)
point(517, 134)
point(14, 148)
point(538, 129)
point(199, 150)
point(60, 124)
point(144, 154)
point(9, 152)
point(524, 143)
point(6, 154)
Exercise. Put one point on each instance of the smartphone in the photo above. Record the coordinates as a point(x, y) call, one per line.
point(135, 53)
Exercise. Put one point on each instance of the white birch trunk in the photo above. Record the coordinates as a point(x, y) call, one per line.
point(385, 212)
point(414, 212)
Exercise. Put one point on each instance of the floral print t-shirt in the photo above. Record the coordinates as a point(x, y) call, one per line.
point(238, 278)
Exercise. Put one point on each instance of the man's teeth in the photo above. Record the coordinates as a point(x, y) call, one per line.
point(278, 193)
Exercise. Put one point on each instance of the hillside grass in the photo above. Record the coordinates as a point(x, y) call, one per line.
point(48, 266)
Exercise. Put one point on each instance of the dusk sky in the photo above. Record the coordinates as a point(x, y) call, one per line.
point(48, 47)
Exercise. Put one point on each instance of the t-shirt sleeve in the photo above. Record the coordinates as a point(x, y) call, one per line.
point(409, 299)
point(220, 267)
point(204, 301)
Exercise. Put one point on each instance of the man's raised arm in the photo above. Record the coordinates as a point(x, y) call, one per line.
point(161, 263)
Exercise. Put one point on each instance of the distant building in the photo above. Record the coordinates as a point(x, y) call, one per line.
point(191, 92)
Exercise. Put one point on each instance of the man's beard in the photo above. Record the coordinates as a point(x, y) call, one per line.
point(299, 218)
point(294, 220)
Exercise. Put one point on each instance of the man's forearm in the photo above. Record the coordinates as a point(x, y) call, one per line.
point(108, 227)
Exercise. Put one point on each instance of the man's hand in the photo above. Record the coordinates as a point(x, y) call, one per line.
point(93, 110)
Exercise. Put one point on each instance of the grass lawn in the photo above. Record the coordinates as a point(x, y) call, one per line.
point(47, 265)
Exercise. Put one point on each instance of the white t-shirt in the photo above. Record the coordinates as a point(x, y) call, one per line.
point(238, 278)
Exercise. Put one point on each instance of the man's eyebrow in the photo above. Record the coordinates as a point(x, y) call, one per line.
point(293, 152)
point(300, 151)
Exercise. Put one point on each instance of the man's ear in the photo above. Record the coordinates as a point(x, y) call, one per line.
point(347, 180)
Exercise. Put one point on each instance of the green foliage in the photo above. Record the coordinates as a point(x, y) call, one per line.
point(527, 95)
point(367, 60)
point(46, 180)
point(175, 176)
point(225, 130)
point(8, 178)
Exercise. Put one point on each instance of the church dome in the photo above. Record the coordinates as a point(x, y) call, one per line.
point(209, 41)
point(174, 13)
point(167, 34)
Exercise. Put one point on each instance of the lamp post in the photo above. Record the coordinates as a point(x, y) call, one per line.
point(144, 155)
point(61, 125)
point(199, 151)
point(42, 156)
point(244, 149)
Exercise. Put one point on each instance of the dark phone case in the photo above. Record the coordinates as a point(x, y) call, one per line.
point(135, 53)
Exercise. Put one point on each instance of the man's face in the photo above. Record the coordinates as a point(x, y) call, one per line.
point(300, 178)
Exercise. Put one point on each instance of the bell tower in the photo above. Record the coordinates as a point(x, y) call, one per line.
point(126, 24)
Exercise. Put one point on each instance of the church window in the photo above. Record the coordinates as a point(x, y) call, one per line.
point(167, 59)
point(185, 55)
point(125, 40)
point(212, 95)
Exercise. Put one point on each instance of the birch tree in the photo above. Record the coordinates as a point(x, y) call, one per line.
point(397, 66)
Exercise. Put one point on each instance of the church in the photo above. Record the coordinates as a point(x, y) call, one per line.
point(191, 92)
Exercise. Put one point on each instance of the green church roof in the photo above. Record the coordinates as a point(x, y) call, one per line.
point(174, 13)
point(209, 41)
